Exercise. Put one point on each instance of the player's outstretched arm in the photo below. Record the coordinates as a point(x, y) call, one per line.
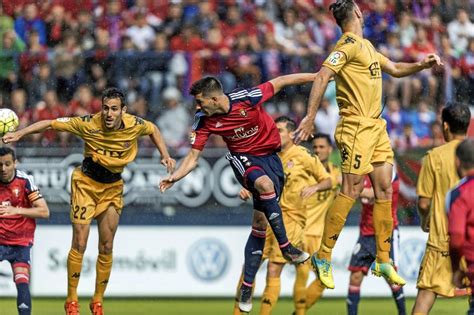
point(39, 210)
point(403, 69)
point(188, 164)
point(291, 79)
point(320, 84)
point(166, 160)
point(34, 128)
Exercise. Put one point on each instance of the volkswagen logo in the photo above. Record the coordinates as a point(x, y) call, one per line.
point(411, 254)
point(208, 259)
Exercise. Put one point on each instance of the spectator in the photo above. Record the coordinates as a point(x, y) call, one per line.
point(29, 23)
point(422, 119)
point(56, 26)
point(84, 27)
point(12, 47)
point(42, 81)
point(174, 20)
point(18, 105)
point(6, 23)
point(50, 108)
point(406, 29)
point(68, 60)
point(233, 26)
point(141, 33)
point(460, 30)
point(84, 102)
point(207, 17)
point(32, 58)
point(260, 28)
point(285, 32)
point(327, 118)
point(113, 22)
point(173, 121)
point(379, 22)
point(396, 118)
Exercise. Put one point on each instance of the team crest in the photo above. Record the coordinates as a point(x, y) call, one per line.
point(16, 192)
point(290, 164)
point(127, 144)
point(243, 113)
point(192, 137)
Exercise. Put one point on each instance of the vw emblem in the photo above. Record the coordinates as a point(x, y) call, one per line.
point(208, 259)
point(411, 254)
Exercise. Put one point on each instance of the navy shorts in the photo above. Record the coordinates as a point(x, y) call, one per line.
point(243, 164)
point(15, 254)
point(365, 250)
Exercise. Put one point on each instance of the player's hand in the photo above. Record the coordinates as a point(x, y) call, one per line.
point(458, 277)
point(425, 223)
point(304, 130)
point(308, 191)
point(169, 163)
point(432, 60)
point(11, 137)
point(244, 194)
point(166, 183)
point(8, 210)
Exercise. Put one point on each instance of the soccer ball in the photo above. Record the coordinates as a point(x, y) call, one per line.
point(8, 121)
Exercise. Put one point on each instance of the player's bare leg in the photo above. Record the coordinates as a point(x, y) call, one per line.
point(352, 185)
point(272, 288)
point(381, 178)
point(80, 234)
point(107, 223)
point(424, 302)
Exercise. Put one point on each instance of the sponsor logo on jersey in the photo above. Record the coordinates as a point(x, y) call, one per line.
point(241, 133)
point(335, 57)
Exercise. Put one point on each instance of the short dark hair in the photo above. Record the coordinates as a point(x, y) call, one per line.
point(7, 150)
point(113, 92)
point(457, 116)
point(206, 86)
point(290, 123)
point(342, 10)
point(465, 153)
point(321, 135)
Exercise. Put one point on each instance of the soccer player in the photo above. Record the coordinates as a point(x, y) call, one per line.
point(305, 176)
point(438, 175)
point(111, 142)
point(365, 249)
point(21, 204)
point(316, 214)
point(361, 134)
point(460, 208)
point(253, 142)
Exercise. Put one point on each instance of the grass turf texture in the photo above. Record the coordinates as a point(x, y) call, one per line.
point(224, 306)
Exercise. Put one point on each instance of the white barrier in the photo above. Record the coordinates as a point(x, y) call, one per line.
point(188, 262)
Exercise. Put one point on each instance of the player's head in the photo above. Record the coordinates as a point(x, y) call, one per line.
point(286, 126)
point(7, 164)
point(207, 93)
point(345, 11)
point(113, 106)
point(465, 157)
point(455, 118)
point(322, 146)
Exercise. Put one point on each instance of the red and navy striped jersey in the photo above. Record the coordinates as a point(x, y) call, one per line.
point(366, 224)
point(246, 128)
point(20, 192)
point(460, 208)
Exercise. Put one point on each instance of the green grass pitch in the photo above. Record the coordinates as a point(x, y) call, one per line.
point(202, 306)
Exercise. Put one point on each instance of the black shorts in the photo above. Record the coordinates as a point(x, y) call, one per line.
point(365, 251)
point(243, 164)
point(15, 254)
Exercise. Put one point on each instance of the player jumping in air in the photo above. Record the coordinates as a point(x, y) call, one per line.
point(253, 142)
point(361, 134)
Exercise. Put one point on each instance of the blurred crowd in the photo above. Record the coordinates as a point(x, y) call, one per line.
point(56, 57)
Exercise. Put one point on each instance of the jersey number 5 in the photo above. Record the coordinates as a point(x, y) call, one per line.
point(357, 161)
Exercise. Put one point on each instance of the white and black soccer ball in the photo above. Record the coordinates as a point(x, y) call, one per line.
point(8, 121)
